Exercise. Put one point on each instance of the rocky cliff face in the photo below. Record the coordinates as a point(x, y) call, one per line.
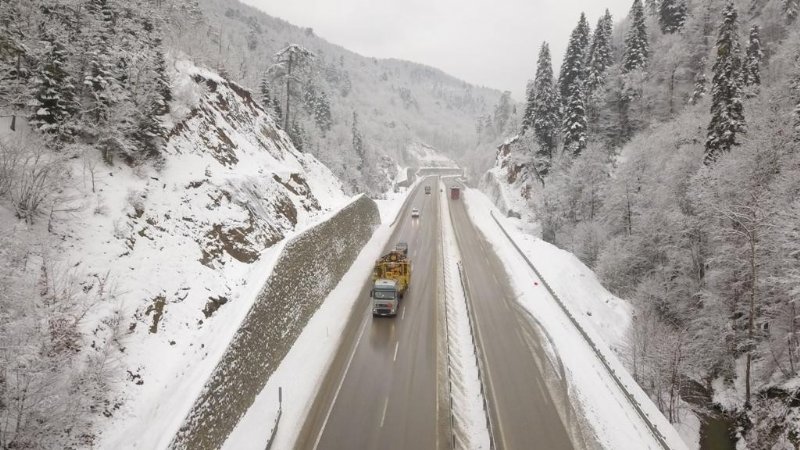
point(511, 182)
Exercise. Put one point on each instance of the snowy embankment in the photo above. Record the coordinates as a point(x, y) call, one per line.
point(466, 393)
point(188, 245)
point(604, 318)
point(313, 351)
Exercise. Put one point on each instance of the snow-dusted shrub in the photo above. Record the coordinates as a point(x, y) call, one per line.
point(29, 175)
point(53, 377)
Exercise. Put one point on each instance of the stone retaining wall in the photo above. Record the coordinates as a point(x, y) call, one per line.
point(307, 270)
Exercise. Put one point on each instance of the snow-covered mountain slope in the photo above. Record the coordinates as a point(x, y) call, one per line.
point(187, 245)
point(423, 155)
point(511, 182)
point(396, 101)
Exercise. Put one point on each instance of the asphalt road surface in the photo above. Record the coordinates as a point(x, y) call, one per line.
point(381, 389)
point(527, 394)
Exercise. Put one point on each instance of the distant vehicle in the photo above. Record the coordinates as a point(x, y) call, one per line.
point(391, 277)
point(414, 212)
point(455, 192)
point(402, 247)
point(427, 189)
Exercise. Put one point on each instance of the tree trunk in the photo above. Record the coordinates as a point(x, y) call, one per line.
point(751, 320)
point(671, 91)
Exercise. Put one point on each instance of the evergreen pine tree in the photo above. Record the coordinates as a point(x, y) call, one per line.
point(546, 117)
point(636, 46)
point(572, 69)
point(276, 107)
point(530, 106)
point(700, 88)
point(266, 94)
point(652, 6)
point(752, 75)
point(600, 57)
point(163, 85)
point(358, 144)
point(671, 15)
point(796, 92)
point(53, 96)
point(502, 112)
point(727, 111)
point(575, 124)
point(98, 81)
point(148, 131)
point(791, 9)
point(322, 112)
point(297, 134)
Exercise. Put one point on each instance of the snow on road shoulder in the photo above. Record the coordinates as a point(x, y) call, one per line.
point(615, 422)
point(467, 394)
point(302, 371)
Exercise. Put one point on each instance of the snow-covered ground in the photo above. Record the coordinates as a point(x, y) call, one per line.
point(467, 394)
point(605, 318)
point(313, 351)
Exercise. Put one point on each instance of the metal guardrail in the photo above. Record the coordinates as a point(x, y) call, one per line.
point(277, 419)
point(650, 425)
point(478, 355)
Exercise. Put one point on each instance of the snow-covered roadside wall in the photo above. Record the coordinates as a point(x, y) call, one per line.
point(310, 267)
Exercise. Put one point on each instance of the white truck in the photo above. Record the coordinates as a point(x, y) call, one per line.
point(385, 298)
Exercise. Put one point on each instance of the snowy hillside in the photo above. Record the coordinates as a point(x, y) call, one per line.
point(421, 155)
point(396, 101)
point(164, 263)
point(233, 186)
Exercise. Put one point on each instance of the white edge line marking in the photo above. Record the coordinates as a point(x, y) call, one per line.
point(341, 382)
point(396, 347)
point(385, 405)
point(403, 316)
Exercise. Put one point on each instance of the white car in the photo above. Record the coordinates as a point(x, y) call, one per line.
point(414, 212)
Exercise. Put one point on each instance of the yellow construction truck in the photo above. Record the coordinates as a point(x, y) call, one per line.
point(391, 277)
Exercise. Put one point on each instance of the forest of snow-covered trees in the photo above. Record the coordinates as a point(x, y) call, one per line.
point(667, 157)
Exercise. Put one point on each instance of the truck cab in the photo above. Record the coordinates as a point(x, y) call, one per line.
point(385, 298)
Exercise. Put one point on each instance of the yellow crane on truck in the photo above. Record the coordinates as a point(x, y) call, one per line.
point(391, 277)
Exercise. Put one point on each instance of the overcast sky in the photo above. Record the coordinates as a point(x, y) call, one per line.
point(488, 42)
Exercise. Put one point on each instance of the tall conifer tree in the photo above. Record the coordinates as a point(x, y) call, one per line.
point(752, 70)
point(727, 111)
point(671, 15)
point(53, 90)
point(600, 57)
point(575, 125)
point(572, 69)
point(546, 117)
point(636, 47)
